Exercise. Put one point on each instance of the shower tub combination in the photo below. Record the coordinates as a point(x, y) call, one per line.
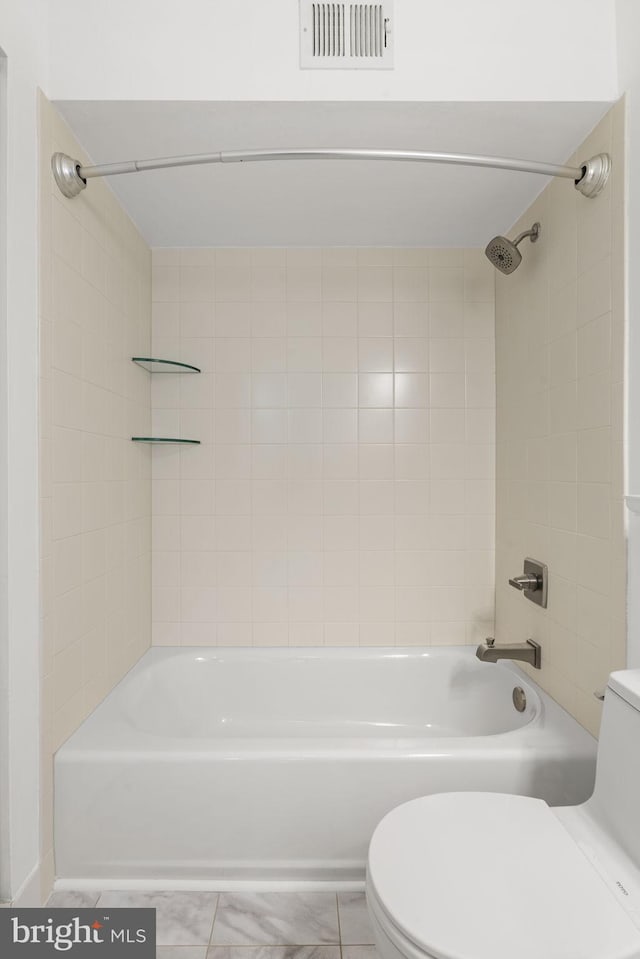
point(213, 765)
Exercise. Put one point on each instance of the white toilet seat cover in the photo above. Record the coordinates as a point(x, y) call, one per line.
point(493, 876)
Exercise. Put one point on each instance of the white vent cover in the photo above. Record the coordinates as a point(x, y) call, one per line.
point(346, 35)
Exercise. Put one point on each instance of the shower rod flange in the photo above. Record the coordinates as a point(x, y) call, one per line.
point(589, 178)
point(595, 173)
point(66, 172)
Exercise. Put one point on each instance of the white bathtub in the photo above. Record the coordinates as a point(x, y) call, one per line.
point(246, 764)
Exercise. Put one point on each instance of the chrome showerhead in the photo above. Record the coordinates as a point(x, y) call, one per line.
point(504, 253)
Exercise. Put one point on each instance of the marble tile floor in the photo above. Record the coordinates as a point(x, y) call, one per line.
point(248, 925)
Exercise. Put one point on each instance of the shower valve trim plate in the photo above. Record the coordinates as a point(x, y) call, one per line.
point(533, 582)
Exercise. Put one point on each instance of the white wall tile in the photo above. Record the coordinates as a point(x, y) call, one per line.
point(557, 498)
point(269, 390)
point(306, 425)
point(338, 320)
point(411, 426)
point(375, 283)
point(375, 354)
point(377, 319)
point(268, 319)
point(378, 532)
point(339, 283)
point(194, 319)
point(448, 319)
point(594, 450)
point(306, 318)
point(268, 354)
point(409, 319)
point(340, 354)
point(446, 355)
point(199, 568)
point(304, 390)
point(346, 413)
point(447, 390)
point(339, 390)
point(341, 426)
point(95, 486)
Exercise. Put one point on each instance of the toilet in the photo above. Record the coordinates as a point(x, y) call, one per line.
point(495, 876)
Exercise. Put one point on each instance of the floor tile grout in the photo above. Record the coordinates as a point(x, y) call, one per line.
point(339, 924)
point(275, 945)
point(213, 921)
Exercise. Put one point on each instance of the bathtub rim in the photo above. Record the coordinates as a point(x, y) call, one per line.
point(132, 744)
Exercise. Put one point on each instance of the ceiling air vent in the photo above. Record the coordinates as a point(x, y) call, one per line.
point(353, 36)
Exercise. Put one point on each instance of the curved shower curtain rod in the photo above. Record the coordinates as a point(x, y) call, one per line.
point(589, 178)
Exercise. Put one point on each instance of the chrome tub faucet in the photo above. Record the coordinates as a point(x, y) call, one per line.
point(529, 652)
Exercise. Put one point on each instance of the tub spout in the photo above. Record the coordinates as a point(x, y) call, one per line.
point(529, 652)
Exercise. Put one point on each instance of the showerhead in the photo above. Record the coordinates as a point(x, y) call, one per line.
point(504, 253)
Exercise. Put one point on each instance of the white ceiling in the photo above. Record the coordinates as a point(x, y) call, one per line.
point(337, 203)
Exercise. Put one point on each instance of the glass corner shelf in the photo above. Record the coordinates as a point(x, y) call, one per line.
point(163, 366)
point(164, 439)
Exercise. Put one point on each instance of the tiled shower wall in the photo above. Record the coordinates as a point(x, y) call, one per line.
point(95, 314)
point(560, 351)
point(343, 491)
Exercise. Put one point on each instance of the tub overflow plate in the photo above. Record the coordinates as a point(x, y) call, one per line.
point(519, 699)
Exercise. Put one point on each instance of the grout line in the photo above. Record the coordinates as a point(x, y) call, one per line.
point(273, 945)
point(213, 922)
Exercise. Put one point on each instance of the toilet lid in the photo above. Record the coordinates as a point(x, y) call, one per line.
point(494, 876)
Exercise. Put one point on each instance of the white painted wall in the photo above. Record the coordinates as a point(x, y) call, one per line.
point(246, 50)
point(23, 40)
point(628, 39)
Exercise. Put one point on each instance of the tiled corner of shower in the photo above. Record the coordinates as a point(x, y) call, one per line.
point(561, 331)
point(95, 486)
point(343, 489)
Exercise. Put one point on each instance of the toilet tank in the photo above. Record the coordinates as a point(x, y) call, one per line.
point(616, 798)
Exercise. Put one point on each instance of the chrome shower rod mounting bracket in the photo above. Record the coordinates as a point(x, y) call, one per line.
point(595, 173)
point(66, 174)
point(589, 178)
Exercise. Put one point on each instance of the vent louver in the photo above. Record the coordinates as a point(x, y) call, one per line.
point(345, 35)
